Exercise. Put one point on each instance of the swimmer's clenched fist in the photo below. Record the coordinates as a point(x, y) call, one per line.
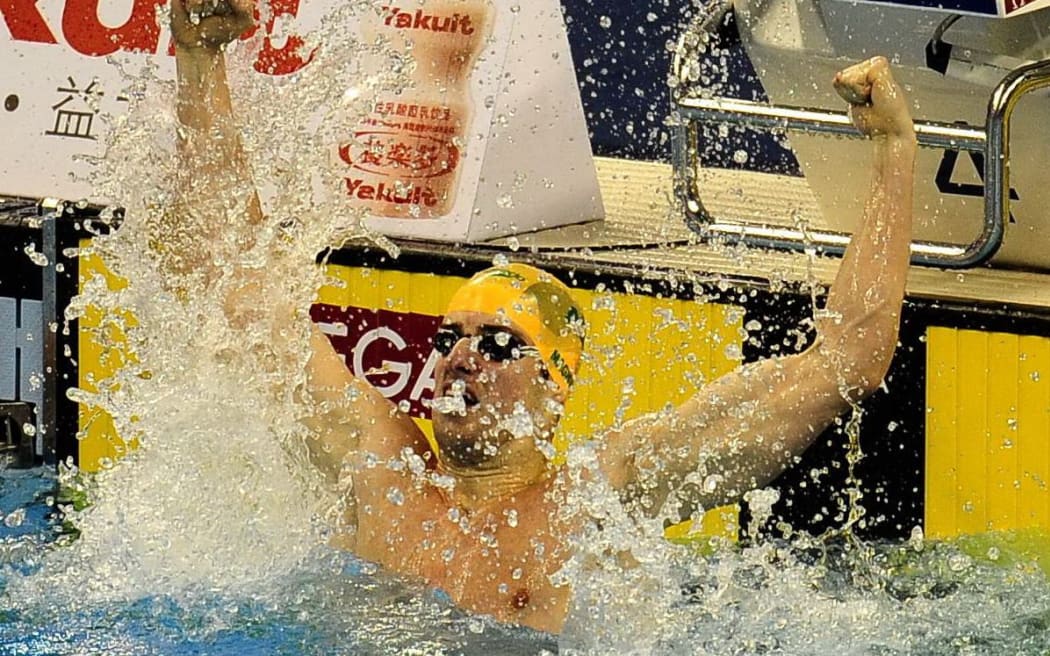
point(210, 24)
point(877, 105)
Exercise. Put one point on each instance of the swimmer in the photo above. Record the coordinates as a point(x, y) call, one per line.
point(477, 518)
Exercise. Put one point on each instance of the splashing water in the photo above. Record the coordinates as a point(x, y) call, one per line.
point(219, 492)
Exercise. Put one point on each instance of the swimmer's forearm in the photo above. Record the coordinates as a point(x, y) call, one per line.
point(864, 303)
point(203, 93)
point(214, 164)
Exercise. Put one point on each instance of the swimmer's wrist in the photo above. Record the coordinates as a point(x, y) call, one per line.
point(198, 51)
point(899, 144)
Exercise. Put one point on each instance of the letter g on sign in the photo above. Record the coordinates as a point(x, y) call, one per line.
point(402, 369)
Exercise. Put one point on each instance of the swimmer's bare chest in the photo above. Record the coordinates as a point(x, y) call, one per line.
point(497, 562)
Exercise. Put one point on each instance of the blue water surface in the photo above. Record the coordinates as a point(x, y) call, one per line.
point(334, 604)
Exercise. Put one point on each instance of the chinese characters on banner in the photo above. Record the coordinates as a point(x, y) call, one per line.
point(75, 113)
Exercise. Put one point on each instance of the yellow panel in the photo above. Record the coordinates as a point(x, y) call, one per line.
point(364, 289)
point(1002, 483)
point(987, 432)
point(100, 354)
point(971, 450)
point(1033, 427)
point(421, 297)
point(941, 427)
point(395, 289)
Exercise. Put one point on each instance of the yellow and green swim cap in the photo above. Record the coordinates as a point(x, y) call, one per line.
point(538, 304)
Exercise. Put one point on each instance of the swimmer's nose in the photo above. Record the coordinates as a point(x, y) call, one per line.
point(463, 358)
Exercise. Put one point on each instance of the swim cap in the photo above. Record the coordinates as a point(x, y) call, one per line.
point(538, 304)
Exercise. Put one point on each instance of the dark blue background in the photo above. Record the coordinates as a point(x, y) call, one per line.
point(622, 66)
point(622, 71)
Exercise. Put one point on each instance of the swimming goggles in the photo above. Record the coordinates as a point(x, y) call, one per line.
point(500, 346)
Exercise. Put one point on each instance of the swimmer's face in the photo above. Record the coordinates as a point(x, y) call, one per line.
point(506, 392)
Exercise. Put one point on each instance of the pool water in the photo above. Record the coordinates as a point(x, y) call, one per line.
point(333, 604)
point(808, 597)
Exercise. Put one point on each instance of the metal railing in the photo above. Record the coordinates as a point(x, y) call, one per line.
point(993, 140)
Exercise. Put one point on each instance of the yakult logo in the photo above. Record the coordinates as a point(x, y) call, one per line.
point(84, 32)
point(420, 20)
point(391, 350)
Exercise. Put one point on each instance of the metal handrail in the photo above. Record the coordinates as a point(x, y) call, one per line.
point(992, 140)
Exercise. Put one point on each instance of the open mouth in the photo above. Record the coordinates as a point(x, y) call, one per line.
point(456, 398)
point(469, 398)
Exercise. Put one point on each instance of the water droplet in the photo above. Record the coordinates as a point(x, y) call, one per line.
point(605, 22)
point(35, 256)
point(395, 496)
point(959, 562)
point(917, 538)
point(16, 518)
point(733, 352)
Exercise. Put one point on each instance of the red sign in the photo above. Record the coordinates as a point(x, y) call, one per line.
point(391, 350)
point(85, 33)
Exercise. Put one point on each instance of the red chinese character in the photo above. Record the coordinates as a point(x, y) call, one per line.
point(400, 154)
point(373, 151)
point(425, 156)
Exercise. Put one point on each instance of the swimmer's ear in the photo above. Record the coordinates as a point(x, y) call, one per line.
point(545, 376)
point(561, 395)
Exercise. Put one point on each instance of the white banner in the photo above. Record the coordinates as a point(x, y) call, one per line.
point(488, 146)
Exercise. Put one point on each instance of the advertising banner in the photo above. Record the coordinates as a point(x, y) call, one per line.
point(488, 139)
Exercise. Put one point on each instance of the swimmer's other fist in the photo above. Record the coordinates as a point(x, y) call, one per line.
point(877, 105)
point(210, 24)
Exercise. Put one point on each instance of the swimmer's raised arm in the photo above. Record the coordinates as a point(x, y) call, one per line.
point(216, 189)
point(217, 193)
point(744, 429)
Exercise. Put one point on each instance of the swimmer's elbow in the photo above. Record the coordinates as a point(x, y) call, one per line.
point(857, 368)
